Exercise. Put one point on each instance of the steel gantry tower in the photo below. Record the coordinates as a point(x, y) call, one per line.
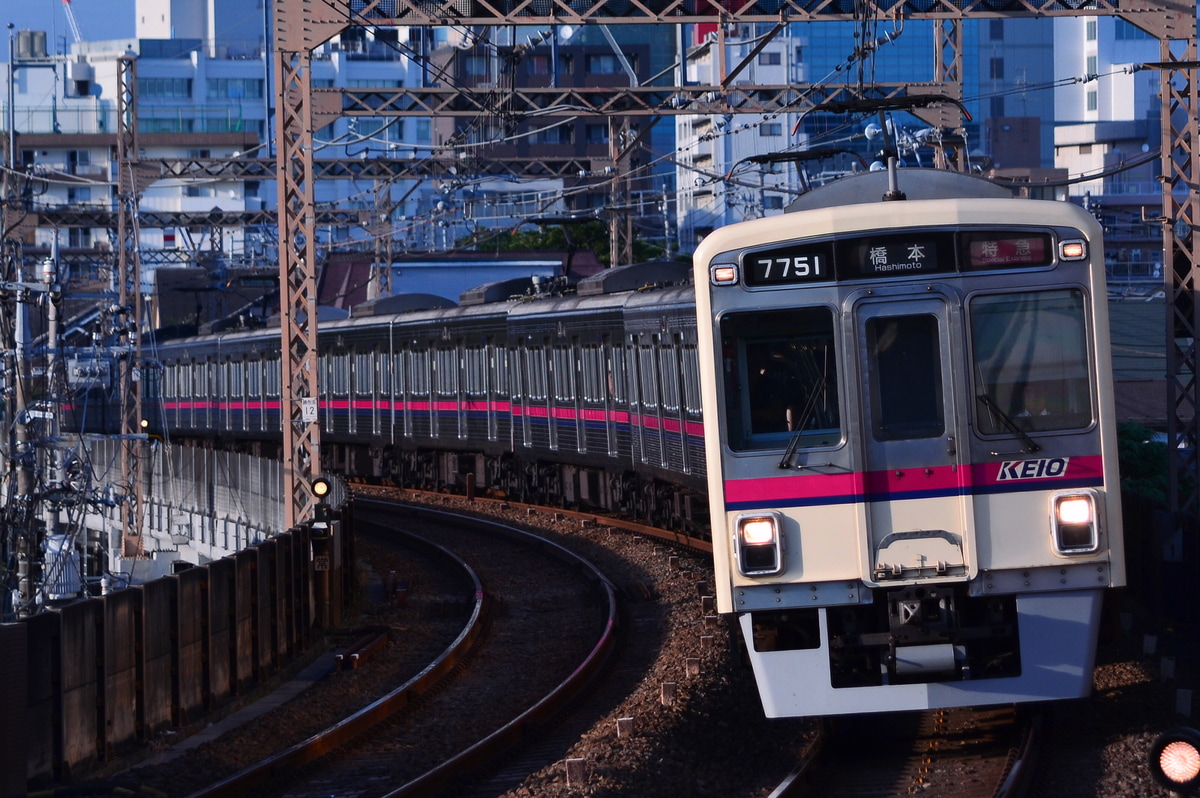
point(303, 25)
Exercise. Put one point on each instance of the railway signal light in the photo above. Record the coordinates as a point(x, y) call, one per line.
point(320, 488)
point(1175, 760)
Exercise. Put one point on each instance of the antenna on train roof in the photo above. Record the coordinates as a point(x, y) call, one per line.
point(893, 193)
point(890, 155)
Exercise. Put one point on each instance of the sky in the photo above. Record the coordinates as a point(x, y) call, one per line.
point(98, 19)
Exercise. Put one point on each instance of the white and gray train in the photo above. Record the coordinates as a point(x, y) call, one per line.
point(912, 455)
point(906, 457)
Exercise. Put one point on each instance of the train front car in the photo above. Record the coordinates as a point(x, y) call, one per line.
point(911, 447)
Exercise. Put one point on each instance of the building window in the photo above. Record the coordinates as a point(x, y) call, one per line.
point(79, 194)
point(1123, 31)
point(996, 107)
point(559, 134)
point(477, 66)
point(772, 202)
point(770, 129)
point(996, 69)
point(378, 128)
point(771, 58)
point(151, 125)
point(996, 30)
point(1091, 30)
point(602, 64)
point(1092, 65)
point(164, 87)
point(539, 65)
point(234, 88)
point(374, 83)
point(1093, 102)
point(597, 134)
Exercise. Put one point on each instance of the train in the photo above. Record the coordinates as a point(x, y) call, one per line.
point(912, 454)
point(890, 410)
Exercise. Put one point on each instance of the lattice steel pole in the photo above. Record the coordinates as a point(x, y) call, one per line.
point(129, 298)
point(300, 26)
point(1181, 211)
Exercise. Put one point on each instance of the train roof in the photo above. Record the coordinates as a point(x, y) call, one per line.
point(916, 184)
point(635, 277)
point(402, 303)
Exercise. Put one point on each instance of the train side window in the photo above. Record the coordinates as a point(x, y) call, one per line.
point(363, 373)
point(619, 375)
point(237, 370)
point(906, 385)
point(563, 366)
point(501, 358)
point(780, 370)
point(445, 367)
point(385, 373)
point(670, 377)
point(536, 382)
point(476, 373)
point(418, 372)
point(1031, 361)
point(254, 379)
point(274, 376)
point(691, 378)
point(649, 376)
point(593, 374)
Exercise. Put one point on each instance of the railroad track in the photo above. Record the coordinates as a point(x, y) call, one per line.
point(438, 675)
point(672, 714)
point(543, 625)
point(958, 753)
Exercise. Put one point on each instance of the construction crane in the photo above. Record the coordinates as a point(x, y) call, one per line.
point(72, 22)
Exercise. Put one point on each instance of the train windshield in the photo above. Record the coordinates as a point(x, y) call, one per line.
point(780, 371)
point(1031, 361)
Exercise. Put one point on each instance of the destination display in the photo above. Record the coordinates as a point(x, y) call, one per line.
point(888, 255)
point(901, 256)
point(1003, 250)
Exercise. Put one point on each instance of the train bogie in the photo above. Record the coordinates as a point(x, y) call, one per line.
point(911, 450)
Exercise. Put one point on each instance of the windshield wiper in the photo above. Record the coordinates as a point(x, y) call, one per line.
point(1028, 444)
point(798, 430)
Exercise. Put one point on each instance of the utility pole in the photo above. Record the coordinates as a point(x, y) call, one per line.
point(299, 29)
point(129, 314)
point(380, 229)
point(20, 536)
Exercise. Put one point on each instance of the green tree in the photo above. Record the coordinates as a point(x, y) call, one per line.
point(590, 235)
point(1143, 462)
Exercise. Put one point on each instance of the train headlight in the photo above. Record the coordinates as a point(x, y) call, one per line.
point(1175, 760)
point(758, 544)
point(1074, 523)
point(724, 274)
point(1072, 250)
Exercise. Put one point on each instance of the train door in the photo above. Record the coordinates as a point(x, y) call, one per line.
point(610, 391)
point(520, 391)
point(671, 352)
point(914, 479)
point(490, 393)
point(575, 363)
